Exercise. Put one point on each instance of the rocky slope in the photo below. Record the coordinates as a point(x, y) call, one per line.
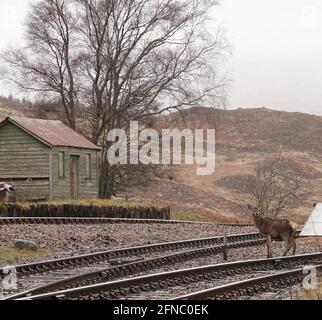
point(244, 137)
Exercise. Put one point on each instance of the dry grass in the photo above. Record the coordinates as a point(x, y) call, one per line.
point(222, 218)
point(311, 294)
point(245, 137)
point(10, 255)
point(88, 203)
point(7, 111)
point(187, 216)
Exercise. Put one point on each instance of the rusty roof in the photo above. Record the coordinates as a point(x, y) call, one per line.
point(52, 132)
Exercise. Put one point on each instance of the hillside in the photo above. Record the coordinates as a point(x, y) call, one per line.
point(244, 137)
point(6, 111)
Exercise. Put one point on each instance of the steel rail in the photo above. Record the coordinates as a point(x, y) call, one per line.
point(92, 221)
point(64, 263)
point(134, 268)
point(159, 281)
point(250, 287)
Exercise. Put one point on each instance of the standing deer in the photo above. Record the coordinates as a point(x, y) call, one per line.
point(275, 229)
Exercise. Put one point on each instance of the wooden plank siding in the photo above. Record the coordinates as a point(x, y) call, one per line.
point(32, 167)
point(88, 189)
point(24, 162)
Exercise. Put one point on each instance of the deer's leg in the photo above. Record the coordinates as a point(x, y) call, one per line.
point(288, 242)
point(269, 246)
point(294, 244)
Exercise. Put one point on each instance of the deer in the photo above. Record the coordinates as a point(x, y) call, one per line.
point(275, 229)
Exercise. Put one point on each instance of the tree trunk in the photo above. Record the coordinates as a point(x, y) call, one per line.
point(106, 180)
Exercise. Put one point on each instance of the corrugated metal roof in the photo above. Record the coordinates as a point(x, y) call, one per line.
point(52, 132)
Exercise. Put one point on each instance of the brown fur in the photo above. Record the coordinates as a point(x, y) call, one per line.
point(276, 229)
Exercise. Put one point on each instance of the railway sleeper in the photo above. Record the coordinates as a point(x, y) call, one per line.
point(155, 286)
point(146, 287)
point(134, 289)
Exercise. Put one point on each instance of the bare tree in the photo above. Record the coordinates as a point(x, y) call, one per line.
point(274, 189)
point(159, 58)
point(122, 60)
point(48, 63)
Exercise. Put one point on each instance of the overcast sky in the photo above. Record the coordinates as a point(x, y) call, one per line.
point(277, 50)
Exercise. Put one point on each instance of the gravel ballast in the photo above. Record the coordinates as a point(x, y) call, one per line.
point(65, 240)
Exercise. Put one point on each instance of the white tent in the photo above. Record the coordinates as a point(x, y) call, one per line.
point(313, 226)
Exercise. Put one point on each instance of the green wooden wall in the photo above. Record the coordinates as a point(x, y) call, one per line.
point(24, 162)
point(33, 167)
point(88, 189)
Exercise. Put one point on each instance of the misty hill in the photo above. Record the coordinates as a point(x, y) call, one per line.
point(6, 111)
point(244, 137)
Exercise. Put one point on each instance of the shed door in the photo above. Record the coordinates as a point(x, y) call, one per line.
point(74, 177)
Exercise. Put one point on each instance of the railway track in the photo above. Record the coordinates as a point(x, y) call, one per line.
point(64, 263)
point(252, 287)
point(90, 221)
point(137, 267)
point(80, 264)
point(278, 272)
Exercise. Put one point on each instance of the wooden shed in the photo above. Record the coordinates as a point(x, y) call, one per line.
point(46, 160)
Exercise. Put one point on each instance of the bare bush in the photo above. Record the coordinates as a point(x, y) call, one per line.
point(274, 189)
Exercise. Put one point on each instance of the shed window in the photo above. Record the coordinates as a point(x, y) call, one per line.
point(88, 166)
point(61, 164)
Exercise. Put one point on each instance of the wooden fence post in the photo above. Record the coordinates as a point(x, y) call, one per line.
point(225, 248)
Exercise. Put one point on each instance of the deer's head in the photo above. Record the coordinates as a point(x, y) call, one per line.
point(254, 210)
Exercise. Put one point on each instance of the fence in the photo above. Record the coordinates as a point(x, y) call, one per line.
point(74, 211)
